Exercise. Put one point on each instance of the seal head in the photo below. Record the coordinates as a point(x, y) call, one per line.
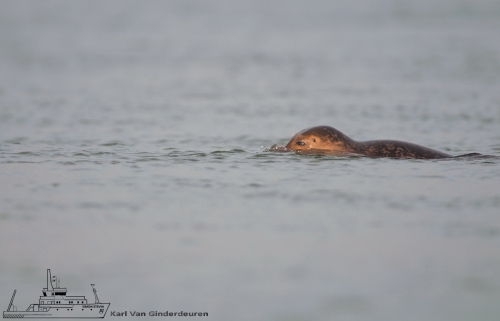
point(328, 140)
point(322, 139)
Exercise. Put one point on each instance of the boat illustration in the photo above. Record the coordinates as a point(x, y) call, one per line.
point(56, 304)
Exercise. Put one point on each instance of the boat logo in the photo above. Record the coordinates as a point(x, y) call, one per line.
point(55, 303)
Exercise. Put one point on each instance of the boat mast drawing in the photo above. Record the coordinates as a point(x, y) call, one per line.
point(12, 301)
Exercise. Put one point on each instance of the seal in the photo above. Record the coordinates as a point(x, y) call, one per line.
point(328, 140)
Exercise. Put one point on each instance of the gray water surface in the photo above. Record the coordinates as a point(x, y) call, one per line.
point(133, 155)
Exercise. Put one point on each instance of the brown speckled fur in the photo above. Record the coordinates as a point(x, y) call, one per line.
point(335, 142)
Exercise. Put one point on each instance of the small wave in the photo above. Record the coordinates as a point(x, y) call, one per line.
point(476, 156)
point(28, 153)
point(232, 151)
point(114, 143)
point(16, 140)
point(148, 159)
point(177, 153)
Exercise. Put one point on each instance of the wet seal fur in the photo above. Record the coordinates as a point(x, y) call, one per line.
point(328, 140)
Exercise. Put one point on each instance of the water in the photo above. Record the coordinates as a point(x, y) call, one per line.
point(132, 156)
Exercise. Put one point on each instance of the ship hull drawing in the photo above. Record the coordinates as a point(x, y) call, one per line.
point(55, 304)
point(80, 312)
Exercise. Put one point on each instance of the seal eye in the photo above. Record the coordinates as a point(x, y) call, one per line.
point(300, 143)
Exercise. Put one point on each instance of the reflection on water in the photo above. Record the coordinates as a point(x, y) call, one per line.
point(133, 153)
